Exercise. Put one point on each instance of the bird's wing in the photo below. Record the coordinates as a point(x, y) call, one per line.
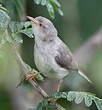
point(64, 58)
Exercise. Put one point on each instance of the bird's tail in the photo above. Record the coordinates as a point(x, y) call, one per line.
point(84, 76)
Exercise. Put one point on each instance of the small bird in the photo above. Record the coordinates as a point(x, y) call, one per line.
point(52, 56)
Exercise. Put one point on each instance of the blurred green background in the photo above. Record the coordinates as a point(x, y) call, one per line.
point(81, 20)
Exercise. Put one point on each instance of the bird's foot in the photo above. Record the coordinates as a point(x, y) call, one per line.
point(52, 100)
point(31, 76)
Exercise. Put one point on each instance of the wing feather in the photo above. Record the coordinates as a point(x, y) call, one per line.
point(65, 59)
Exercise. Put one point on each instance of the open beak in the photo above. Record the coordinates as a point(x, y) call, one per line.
point(33, 20)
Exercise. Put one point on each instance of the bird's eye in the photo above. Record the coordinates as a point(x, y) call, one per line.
point(40, 24)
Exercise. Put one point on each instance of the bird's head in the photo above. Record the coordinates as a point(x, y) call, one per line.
point(43, 28)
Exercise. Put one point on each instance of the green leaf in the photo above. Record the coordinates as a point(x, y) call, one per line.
point(71, 96)
point(64, 95)
point(4, 19)
point(3, 9)
point(79, 97)
point(98, 103)
point(39, 77)
point(76, 96)
point(27, 32)
point(60, 11)
point(19, 25)
point(42, 104)
point(13, 26)
point(29, 68)
point(60, 95)
point(90, 94)
point(16, 26)
point(56, 3)
point(27, 24)
point(50, 9)
point(88, 100)
point(37, 1)
point(33, 71)
point(43, 2)
point(57, 95)
point(51, 5)
point(17, 38)
point(57, 8)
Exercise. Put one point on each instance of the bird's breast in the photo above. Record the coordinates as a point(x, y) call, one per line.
point(42, 59)
point(45, 62)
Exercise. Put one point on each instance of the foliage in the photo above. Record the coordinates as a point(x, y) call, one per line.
point(12, 29)
point(4, 18)
point(33, 71)
point(45, 105)
point(20, 27)
point(25, 82)
point(18, 7)
point(77, 97)
point(15, 28)
point(15, 7)
point(51, 5)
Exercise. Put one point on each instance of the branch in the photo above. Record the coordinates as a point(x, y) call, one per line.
point(90, 47)
point(34, 83)
point(83, 55)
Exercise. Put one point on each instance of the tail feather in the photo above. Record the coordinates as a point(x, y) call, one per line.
point(84, 76)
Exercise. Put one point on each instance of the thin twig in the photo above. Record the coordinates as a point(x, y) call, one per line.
point(26, 71)
point(34, 83)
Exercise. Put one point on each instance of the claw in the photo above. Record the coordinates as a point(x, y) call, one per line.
point(31, 76)
point(52, 100)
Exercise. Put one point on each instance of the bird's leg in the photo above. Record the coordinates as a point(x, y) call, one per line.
point(31, 76)
point(53, 100)
point(59, 85)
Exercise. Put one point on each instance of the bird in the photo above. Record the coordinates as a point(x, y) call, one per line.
point(52, 56)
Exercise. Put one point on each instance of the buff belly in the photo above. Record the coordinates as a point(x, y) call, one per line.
point(48, 67)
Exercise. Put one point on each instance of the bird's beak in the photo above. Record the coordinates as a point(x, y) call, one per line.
point(33, 20)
